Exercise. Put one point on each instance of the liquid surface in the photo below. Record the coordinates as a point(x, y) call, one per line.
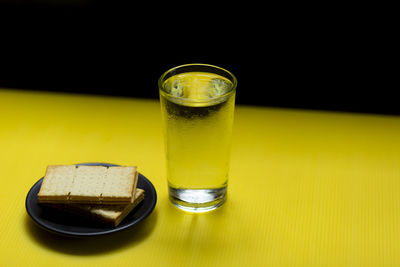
point(197, 87)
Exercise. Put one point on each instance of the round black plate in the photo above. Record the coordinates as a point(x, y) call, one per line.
point(71, 225)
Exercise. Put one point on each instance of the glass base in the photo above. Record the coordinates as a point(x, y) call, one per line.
point(197, 200)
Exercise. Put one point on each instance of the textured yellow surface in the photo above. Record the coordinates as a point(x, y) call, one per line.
point(306, 188)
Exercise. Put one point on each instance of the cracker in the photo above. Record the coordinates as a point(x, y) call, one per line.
point(110, 215)
point(116, 187)
point(88, 184)
point(57, 183)
point(105, 214)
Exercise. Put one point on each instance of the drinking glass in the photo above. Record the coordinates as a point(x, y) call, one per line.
point(197, 106)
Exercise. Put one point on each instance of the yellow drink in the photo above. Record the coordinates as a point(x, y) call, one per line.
point(197, 109)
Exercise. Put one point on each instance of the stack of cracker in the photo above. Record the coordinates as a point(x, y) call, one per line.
point(106, 194)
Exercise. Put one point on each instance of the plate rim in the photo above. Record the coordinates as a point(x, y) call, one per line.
point(63, 232)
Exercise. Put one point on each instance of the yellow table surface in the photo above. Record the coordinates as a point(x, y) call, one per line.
point(306, 188)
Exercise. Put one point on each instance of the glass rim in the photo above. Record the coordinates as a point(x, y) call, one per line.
point(232, 78)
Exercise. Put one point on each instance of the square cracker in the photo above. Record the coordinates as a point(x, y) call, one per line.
point(57, 183)
point(88, 184)
point(120, 184)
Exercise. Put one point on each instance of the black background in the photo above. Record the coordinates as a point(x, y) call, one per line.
point(312, 57)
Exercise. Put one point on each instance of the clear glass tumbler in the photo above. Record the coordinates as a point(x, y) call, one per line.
point(197, 105)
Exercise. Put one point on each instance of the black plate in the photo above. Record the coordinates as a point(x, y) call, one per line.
point(71, 225)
